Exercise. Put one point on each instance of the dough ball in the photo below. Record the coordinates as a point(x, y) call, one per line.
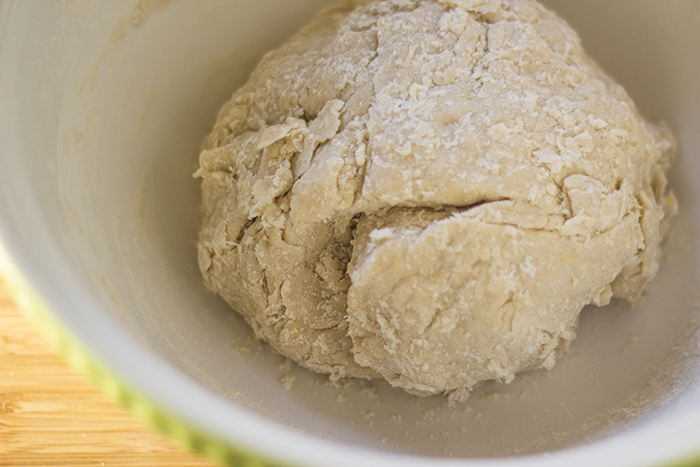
point(430, 192)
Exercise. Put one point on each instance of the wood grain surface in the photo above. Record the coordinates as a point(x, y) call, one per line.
point(50, 415)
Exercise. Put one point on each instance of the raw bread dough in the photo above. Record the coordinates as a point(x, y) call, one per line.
point(430, 192)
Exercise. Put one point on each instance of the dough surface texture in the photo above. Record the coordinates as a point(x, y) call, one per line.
point(429, 192)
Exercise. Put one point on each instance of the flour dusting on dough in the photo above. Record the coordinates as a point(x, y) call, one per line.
point(430, 192)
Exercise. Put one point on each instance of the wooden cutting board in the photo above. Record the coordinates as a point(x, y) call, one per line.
point(50, 415)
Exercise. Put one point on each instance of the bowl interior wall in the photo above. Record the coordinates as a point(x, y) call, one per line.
point(114, 119)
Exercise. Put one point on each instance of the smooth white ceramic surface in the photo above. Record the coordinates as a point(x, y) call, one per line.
point(101, 118)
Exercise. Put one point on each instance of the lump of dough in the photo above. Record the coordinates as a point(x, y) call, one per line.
point(430, 192)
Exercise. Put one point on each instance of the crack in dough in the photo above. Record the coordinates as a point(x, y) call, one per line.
point(430, 192)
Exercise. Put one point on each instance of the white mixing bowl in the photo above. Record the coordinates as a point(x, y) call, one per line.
point(102, 109)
